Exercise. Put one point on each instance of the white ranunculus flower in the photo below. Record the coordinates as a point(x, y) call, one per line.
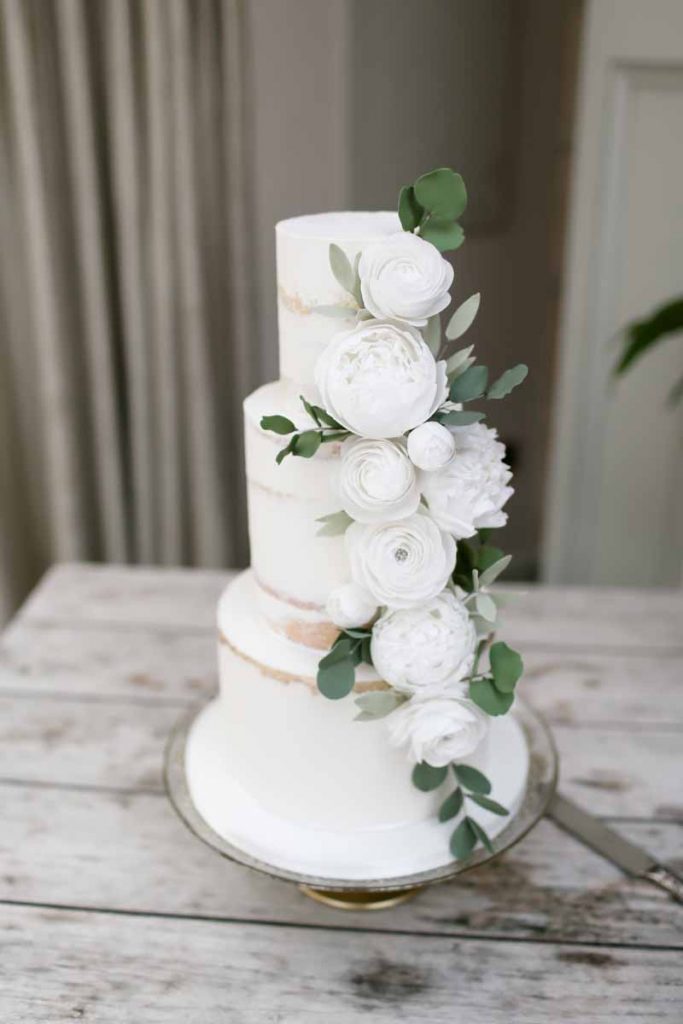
point(425, 650)
point(377, 480)
point(402, 277)
point(401, 563)
point(438, 730)
point(431, 446)
point(470, 492)
point(350, 605)
point(380, 379)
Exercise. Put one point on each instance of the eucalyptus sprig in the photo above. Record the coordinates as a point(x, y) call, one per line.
point(337, 670)
point(346, 274)
point(432, 206)
point(305, 443)
point(474, 786)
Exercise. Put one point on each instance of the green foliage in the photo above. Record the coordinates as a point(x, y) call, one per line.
point(409, 210)
point(333, 524)
point(471, 778)
point(432, 334)
point(494, 570)
point(452, 805)
point(508, 381)
point(426, 777)
point(277, 424)
point(377, 704)
point(336, 671)
point(489, 805)
point(341, 268)
point(459, 361)
point(481, 835)
point(463, 317)
point(464, 839)
point(642, 335)
point(443, 235)
point(507, 667)
point(432, 206)
point(491, 700)
point(473, 555)
point(458, 418)
point(486, 607)
point(307, 443)
point(469, 385)
point(319, 415)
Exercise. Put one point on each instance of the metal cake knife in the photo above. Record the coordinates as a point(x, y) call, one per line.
point(615, 848)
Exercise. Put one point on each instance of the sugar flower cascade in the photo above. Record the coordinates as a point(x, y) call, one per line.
point(422, 481)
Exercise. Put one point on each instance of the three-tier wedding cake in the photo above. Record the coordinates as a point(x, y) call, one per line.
point(360, 729)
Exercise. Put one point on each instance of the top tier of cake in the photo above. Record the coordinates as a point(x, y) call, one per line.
point(305, 280)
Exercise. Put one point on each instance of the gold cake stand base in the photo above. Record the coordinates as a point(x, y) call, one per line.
point(358, 899)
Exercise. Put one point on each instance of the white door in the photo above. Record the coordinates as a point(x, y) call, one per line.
point(615, 502)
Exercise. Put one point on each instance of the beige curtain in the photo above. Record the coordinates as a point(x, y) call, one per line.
point(125, 290)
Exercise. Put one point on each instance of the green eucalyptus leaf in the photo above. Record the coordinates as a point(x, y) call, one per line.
point(341, 268)
point(321, 416)
point(377, 704)
point(463, 840)
point(507, 381)
point(490, 805)
point(487, 556)
point(287, 450)
point(336, 680)
point(339, 651)
point(455, 363)
point(451, 806)
point(471, 778)
point(469, 385)
point(442, 192)
point(491, 574)
point(426, 777)
point(445, 235)
point(409, 210)
point(460, 418)
point(481, 835)
point(432, 334)
point(310, 409)
point(335, 312)
point(463, 317)
point(307, 443)
point(486, 607)
point(489, 699)
point(334, 524)
point(507, 667)
point(277, 424)
point(356, 289)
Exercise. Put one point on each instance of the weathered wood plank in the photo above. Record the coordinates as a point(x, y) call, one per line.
point(573, 617)
point(628, 771)
point(142, 663)
point(130, 852)
point(108, 968)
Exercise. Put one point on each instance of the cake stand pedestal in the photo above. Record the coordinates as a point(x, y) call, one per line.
point(370, 893)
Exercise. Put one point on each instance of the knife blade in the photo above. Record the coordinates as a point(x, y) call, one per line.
point(626, 855)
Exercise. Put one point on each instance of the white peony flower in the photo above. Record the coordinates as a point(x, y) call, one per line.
point(425, 650)
point(402, 277)
point(349, 606)
point(438, 730)
point(401, 563)
point(380, 379)
point(470, 492)
point(431, 446)
point(377, 481)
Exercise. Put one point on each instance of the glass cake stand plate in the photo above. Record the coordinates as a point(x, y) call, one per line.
point(246, 833)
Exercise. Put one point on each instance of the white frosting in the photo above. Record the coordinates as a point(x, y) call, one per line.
point(305, 280)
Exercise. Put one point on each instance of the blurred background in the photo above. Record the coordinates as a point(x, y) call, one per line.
point(149, 146)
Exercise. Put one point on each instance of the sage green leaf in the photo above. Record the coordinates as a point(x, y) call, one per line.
point(339, 651)
point(481, 835)
point(341, 268)
point(460, 418)
point(490, 805)
point(507, 667)
point(307, 443)
point(325, 417)
point(469, 385)
point(432, 334)
point(377, 704)
point(486, 607)
point(489, 699)
point(471, 778)
point(442, 192)
point(336, 680)
point(334, 435)
point(334, 524)
point(426, 777)
point(463, 317)
point(508, 381)
point(456, 362)
point(491, 574)
point(356, 290)
point(463, 840)
point(487, 556)
point(335, 312)
point(310, 409)
point(444, 235)
point(409, 210)
point(277, 424)
point(451, 806)
point(287, 450)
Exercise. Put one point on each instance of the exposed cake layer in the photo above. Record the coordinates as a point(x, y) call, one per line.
point(305, 281)
point(301, 756)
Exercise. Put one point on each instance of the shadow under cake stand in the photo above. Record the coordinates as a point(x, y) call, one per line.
point(372, 893)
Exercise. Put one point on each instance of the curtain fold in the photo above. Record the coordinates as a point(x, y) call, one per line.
point(126, 288)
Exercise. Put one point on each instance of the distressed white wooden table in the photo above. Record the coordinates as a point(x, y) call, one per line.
point(111, 911)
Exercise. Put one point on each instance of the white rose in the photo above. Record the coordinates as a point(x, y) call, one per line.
point(349, 606)
point(428, 649)
point(470, 492)
point(438, 730)
point(380, 380)
point(404, 278)
point(401, 563)
point(431, 446)
point(377, 481)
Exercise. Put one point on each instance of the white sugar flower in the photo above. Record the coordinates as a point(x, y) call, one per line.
point(425, 650)
point(431, 446)
point(377, 481)
point(470, 492)
point(350, 606)
point(380, 379)
point(401, 563)
point(438, 730)
point(402, 277)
